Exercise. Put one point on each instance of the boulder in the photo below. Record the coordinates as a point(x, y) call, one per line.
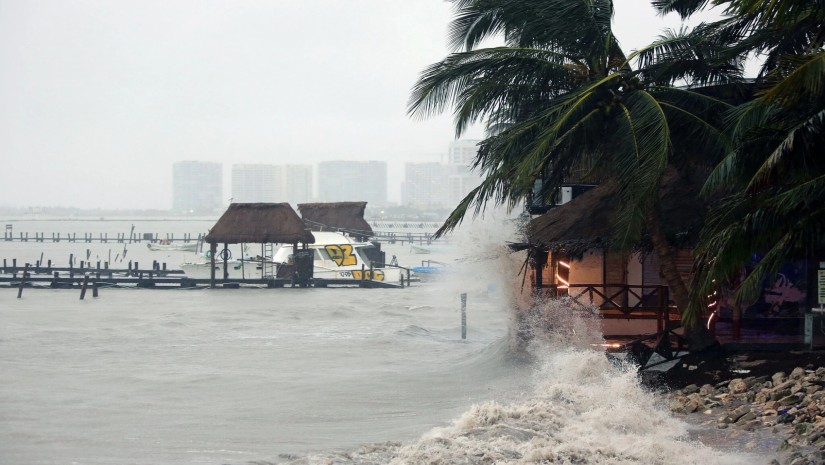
point(690, 389)
point(797, 373)
point(736, 414)
point(737, 386)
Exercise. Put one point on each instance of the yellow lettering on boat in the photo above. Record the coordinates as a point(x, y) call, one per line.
point(377, 275)
point(341, 254)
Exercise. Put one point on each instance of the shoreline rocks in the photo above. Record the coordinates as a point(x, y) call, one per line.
point(790, 406)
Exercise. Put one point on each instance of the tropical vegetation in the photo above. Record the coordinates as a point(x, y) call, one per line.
point(561, 99)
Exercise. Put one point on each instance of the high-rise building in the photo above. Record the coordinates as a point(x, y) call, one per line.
point(297, 183)
point(462, 152)
point(340, 181)
point(272, 183)
point(197, 186)
point(256, 183)
point(425, 185)
point(461, 179)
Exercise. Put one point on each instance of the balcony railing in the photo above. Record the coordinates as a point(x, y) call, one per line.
point(628, 301)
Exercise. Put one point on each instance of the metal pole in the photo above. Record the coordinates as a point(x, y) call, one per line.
point(463, 315)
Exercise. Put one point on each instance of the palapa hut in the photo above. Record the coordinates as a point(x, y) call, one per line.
point(570, 250)
point(256, 223)
point(337, 216)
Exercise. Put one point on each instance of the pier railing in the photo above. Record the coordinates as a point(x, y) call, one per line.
point(9, 236)
point(626, 301)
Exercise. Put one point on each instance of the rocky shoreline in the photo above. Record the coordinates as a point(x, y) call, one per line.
point(787, 406)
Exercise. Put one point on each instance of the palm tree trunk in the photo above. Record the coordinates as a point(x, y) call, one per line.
point(667, 262)
point(699, 338)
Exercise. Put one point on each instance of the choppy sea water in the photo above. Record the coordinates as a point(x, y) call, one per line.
point(361, 376)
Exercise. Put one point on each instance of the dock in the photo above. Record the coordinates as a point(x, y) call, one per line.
point(390, 237)
point(46, 275)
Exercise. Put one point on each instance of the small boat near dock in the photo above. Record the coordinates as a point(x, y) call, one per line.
point(165, 246)
point(335, 256)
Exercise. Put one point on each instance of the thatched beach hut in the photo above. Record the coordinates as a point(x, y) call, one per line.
point(570, 248)
point(256, 223)
point(337, 216)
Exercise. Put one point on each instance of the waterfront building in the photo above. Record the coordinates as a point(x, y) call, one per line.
point(462, 152)
point(425, 185)
point(340, 181)
point(255, 183)
point(271, 183)
point(460, 178)
point(297, 183)
point(197, 186)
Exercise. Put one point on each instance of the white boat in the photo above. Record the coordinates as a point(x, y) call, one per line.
point(335, 256)
point(172, 247)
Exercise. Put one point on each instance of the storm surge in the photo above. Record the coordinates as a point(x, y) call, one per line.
point(579, 408)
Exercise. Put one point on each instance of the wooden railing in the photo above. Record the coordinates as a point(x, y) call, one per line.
point(619, 300)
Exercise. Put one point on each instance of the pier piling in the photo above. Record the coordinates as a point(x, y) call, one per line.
point(22, 281)
point(85, 285)
point(463, 315)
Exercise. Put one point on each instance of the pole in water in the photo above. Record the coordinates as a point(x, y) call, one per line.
point(463, 315)
point(85, 285)
point(22, 281)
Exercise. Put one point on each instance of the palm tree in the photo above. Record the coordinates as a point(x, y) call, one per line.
point(773, 181)
point(570, 99)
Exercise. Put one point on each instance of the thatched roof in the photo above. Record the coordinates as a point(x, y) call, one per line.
point(333, 216)
point(259, 223)
point(587, 221)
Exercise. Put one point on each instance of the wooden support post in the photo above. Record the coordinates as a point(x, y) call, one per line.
point(84, 286)
point(213, 249)
point(464, 315)
point(737, 322)
point(95, 287)
point(22, 281)
point(225, 256)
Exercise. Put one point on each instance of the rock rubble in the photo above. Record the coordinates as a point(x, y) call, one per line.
point(789, 405)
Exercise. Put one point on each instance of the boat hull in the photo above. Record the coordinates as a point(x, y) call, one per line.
point(186, 247)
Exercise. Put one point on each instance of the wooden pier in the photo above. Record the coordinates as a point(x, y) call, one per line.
point(391, 237)
point(99, 275)
point(123, 238)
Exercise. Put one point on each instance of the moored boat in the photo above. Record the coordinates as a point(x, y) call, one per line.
point(336, 256)
point(172, 247)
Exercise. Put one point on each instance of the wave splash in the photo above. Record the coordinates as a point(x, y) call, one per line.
point(583, 409)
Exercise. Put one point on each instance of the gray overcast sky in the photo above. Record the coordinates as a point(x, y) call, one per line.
point(99, 97)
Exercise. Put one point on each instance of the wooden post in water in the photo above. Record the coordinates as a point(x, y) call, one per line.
point(22, 281)
point(463, 315)
point(94, 288)
point(84, 286)
point(213, 249)
point(225, 257)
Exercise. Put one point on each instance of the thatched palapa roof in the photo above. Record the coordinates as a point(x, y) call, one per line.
point(259, 223)
point(587, 222)
point(332, 216)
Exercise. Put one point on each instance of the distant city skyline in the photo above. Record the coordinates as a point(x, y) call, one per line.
point(99, 98)
point(439, 185)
